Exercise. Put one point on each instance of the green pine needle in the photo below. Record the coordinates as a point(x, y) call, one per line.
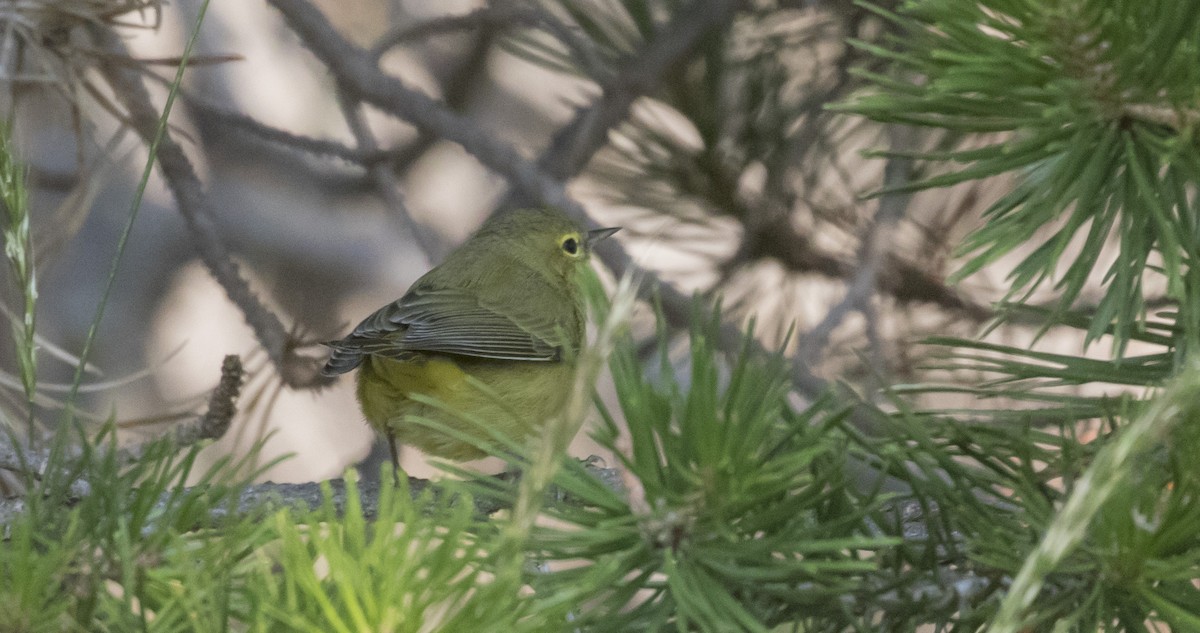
point(18, 248)
point(1102, 136)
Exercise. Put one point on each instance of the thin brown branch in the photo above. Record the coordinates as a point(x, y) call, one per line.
point(873, 253)
point(357, 74)
point(490, 20)
point(222, 406)
point(385, 181)
point(194, 206)
point(315, 146)
point(456, 89)
point(898, 278)
point(575, 144)
point(212, 424)
point(257, 499)
point(481, 18)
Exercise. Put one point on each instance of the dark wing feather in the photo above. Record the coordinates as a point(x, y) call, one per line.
point(447, 321)
point(456, 322)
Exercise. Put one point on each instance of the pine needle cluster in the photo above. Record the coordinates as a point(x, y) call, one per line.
point(1062, 496)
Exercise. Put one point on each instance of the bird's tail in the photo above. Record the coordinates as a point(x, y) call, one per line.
point(342, 360)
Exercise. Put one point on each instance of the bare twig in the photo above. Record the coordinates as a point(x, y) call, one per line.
point(481, 18)
point(222, 405)
point(385, 181)
point(357, 74)
point(873, 253)
point(257, 499)
point(197, 213)
point(491, 19)
point(315, 146)
point(575, 144)
point(456, 89)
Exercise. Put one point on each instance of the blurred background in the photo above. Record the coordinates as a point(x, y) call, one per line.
point(730, 173)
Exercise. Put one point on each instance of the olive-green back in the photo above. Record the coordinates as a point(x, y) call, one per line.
point(507, 293)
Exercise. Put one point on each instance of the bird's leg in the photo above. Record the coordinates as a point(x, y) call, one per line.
point(395, 451)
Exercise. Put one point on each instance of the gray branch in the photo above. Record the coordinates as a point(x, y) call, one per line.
point(194, 206)
point(263, 498)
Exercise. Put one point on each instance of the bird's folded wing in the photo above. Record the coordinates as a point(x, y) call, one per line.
point(452, 321)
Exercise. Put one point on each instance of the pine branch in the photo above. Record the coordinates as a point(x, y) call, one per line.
point(198, 216)
point(1091, 109)
point(385, 180)
point(873, 253)
point(362, 79)
point(242, 123)
point(262, 498)
point(491, 20)
point(576, 142)
point(211, 425)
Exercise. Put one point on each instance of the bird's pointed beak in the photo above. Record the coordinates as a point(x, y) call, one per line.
point(596, 235)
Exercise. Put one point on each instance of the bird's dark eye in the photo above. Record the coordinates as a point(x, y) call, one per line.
point(570, 245)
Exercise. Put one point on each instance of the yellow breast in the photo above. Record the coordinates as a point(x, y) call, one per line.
point(478, 398)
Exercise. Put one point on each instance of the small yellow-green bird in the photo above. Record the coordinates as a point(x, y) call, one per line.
point(504, 309)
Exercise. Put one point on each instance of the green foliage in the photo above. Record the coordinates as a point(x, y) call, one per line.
point(131, 549)
point(1043, 381)
point(1093, 532)
point(745, 105)
point(736, 515)
point(135, 205)
point(738, 510)
point(1129, 524)
point(18, 249)
point(1098, 103)
point(416, 566)
point(33, 570)
point(1093, 106)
